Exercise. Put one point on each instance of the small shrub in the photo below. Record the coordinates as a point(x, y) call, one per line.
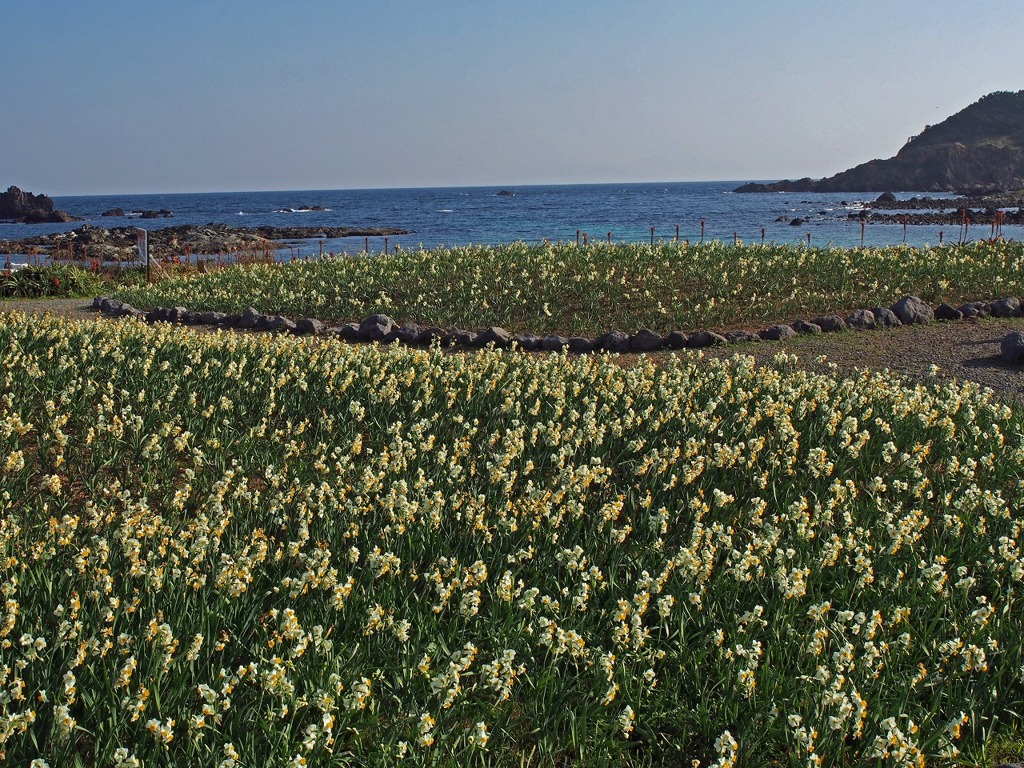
point(57, 280)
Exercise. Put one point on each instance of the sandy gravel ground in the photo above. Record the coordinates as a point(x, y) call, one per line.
point(966, 350)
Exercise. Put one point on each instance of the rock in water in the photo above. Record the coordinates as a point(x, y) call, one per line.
point(17, 205)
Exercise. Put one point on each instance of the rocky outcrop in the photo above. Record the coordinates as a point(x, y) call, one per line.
point(16, 205)
point(979, 148)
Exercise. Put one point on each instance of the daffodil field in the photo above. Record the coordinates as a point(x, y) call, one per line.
point(563, 288)
point(229, 550)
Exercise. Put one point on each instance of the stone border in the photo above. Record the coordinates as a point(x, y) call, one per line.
point(379, 328)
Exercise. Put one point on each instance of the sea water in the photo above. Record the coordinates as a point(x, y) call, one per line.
point(455, 216)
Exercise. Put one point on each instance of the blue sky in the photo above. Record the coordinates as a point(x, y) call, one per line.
point(116, 97)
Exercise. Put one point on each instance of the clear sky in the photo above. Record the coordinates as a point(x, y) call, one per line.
point(221, 95)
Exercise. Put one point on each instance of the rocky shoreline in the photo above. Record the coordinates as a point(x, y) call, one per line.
point(380, 328)
point(115, 243)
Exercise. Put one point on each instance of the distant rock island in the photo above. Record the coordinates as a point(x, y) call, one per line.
point(978, 150)
point(16, 205)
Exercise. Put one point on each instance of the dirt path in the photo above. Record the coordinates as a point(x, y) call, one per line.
point(77, 308)
point(966, 350)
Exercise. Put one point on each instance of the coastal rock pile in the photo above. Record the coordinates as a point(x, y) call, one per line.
point(379, 328)
point(115, 242)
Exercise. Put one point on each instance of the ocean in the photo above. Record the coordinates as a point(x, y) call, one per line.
point(454, 216)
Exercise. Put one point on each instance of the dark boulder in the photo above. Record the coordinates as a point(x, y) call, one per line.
point(309, 325)
point(945, 312)
point(741, 337)
point(282, 324)
point(912, 311)
point(526, 342)
point(250, 318)
point(704, 339)
point(499, 337)
point(805, 326)
point(614, 341)
point(580, 345)
point(830, 323)
point(409, 334)
point(778, 333)
point(179, 315)
point(458, 337)
point(976, 309)
point(1008, 307)
point(350, 332)
point(376, 327)
point(885, 318)
point(431, 334)
point(210, 318)
point(675, 340)
point(1012, 348)
point(553, 343)
point(861, 320)
point(645, 340)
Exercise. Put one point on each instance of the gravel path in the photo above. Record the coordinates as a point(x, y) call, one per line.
point(964, 350)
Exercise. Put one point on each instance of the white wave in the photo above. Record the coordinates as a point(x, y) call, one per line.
point(445, 210)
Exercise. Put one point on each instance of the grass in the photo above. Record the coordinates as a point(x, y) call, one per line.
point(588, 291)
